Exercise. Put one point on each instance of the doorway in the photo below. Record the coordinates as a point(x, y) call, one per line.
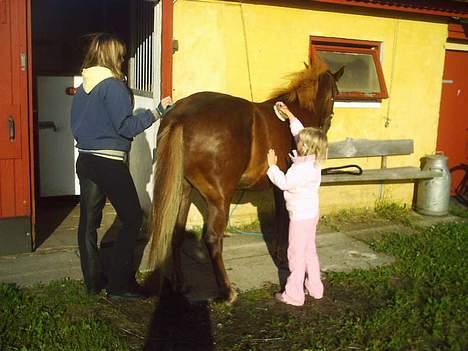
point(60, 31)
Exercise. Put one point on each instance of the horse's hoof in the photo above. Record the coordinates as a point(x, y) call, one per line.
point(232, 297)
point(227, 297)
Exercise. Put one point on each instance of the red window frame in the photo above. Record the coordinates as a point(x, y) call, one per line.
point(372, 48)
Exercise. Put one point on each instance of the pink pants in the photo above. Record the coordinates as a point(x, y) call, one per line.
point(302, 258)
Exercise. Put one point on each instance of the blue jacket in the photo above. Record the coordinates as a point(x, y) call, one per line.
point(103, 118)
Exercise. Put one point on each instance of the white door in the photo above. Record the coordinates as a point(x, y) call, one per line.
point(57, 152)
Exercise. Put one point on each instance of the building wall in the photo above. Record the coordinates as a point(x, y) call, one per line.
point(248, 50)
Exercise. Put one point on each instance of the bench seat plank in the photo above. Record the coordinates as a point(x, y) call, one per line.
point(353, 148)
point(381, 175)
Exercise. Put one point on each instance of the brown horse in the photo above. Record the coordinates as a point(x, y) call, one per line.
point(217, 143)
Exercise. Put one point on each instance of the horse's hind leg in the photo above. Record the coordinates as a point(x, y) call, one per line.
point(218, 207)
point(178, 282)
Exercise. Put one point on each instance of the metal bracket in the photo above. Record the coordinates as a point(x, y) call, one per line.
point(48, 125)
point(23, 61)
point(11, 128)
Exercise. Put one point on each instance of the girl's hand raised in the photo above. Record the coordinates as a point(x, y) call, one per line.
point(284, 110)
point(272, 159)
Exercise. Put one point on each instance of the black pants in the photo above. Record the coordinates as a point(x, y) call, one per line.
point(100, 178)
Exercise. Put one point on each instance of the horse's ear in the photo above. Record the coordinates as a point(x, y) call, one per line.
point(306, 65)
point(338, 73)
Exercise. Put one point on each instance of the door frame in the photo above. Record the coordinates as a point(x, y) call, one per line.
point(443, 134)
point(17, 231)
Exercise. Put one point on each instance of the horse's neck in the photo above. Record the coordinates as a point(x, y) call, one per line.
point(308, 118)
point(305, 116)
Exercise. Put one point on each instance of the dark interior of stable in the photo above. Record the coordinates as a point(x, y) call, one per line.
point(60, 30)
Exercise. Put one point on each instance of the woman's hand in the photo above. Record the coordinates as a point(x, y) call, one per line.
point(272, 159)
point(166, 101)
point(164, 105)
point(284, 110)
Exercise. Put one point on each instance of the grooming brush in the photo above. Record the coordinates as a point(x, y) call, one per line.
point(280, 114)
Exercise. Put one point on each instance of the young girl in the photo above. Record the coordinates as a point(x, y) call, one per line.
point(300, 185)
point(103, 125)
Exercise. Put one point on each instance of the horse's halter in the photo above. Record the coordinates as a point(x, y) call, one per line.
point(334, 91)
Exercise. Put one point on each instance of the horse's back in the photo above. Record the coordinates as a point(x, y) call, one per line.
point(228, 136)
point(217, 132)
point(210, 114)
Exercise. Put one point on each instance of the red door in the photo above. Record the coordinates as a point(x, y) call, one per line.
point(15, 184)
point(452, 136)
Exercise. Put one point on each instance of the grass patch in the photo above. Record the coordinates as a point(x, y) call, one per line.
point(421, 297)
point(383, 213)
point(253, 228)
point(457, 209)
point(358, 218)
point(59, 316)
point(418, 303)
point(343, 218)
point(393, 212)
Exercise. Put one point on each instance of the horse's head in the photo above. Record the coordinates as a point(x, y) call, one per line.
point(325, 98)
point(313, 90)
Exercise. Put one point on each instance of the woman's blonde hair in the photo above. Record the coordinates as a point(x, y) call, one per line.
point(313, 142)
point(108, 51)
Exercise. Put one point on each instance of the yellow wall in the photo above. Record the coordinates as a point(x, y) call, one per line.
point(249, 49)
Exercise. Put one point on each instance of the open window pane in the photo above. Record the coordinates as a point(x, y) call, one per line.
point(360, 73)
point(363, 78)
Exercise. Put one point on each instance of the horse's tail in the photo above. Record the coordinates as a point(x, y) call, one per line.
point(167, 193)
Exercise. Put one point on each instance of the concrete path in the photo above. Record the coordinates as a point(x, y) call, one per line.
point(246, 257)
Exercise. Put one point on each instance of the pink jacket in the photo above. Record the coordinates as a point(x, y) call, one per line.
point(301, 182)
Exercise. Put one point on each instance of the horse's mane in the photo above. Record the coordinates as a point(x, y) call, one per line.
point(303, 85)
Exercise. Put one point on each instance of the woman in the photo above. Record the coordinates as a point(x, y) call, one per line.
point(103, 125)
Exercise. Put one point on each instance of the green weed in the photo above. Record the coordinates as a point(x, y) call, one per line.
point(421, 296)
point(59, 316)
point(458, 209)
point(417, 303)
point(393, 212)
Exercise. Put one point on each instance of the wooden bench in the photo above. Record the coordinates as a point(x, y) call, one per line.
point(361, 148)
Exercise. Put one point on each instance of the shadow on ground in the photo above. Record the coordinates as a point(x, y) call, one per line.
point(178, 325)
point(51, 213)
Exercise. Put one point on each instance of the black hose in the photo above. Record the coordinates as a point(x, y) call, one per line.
point(341, 170)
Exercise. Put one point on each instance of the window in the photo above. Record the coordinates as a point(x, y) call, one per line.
point(141, 48)
point(363, 78)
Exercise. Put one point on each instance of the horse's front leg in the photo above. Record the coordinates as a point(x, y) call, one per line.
point(216, 224)
point(280, 239)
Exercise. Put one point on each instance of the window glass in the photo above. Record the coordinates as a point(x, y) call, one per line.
point(363, 78)
point(360, 74)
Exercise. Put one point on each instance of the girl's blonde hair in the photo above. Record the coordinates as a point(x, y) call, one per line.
point(108, 51)
point(313, 142)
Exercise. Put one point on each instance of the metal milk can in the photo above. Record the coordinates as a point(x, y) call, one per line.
point(433, 195)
